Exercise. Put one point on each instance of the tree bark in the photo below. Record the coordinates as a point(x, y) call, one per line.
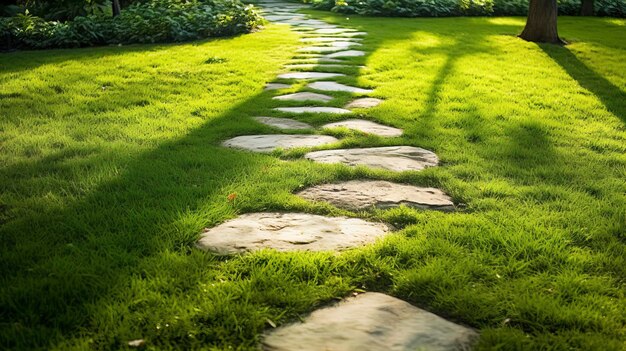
point(541, 22)
point(116, 7)
point(586, 8)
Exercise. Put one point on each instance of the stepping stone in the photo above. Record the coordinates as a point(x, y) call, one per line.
point(327, 39)
point(368, 127)
point(319, 49)
point(307, 109)
point(334, 30)
point(289, 232)
point(304, 97)
point(309, 75)
point(347, 53)
point(282, 123)
point(343, 35)
point(333, 86)
point(320, 59)
point(363, 194)
point(276, 86)
point(270, 142)
point(393, 158)
point(313, 65)
point(373, 322)
point(364, 103)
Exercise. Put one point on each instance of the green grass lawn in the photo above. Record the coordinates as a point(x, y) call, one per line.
point(110, 167)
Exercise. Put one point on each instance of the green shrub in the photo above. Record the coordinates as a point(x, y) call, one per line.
point(441, 8)
point(150, 22)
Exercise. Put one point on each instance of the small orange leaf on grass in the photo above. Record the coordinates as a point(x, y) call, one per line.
point(232, 197)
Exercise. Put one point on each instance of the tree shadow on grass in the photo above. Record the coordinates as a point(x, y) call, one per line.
point(613, 98)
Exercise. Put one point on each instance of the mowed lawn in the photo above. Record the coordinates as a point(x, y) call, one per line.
point(111, 166)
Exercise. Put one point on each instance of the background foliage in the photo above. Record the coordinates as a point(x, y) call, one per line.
point(444, 8)
point(142, 22)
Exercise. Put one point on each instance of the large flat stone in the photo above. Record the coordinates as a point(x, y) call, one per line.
point(319, 49)
point(328, 39)
point(270, 142)
point(393, 158)
point(340, 35)
point(309, 75)
point(276, 86)
point(282, 123)
point(372, 322)
point(368, 127)
point(334, 86)
point(315, 65)
point(347, 53)
point(307, 109)
point(363, 194)
point(304, 96)
point(364, 103)
point(344, 44)
point(334, 30)
point(289, 232)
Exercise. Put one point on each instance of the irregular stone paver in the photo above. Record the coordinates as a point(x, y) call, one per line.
point(289, 232)
point(313, 65)
point(304, 96)
point(334, 30)
point(307, 109)
point(368, 127)
point(393, 158)
point(341, 35)
point(364, 103)
point(334, 86)
point(270, 142)
point(344, 44)
point(309, 75)
point(363, 194)
point(347, 53)
point(276, 86)
point(320, 60)
point(283, 123)
point(328, 39)
point(373, 322)
point(319, 49)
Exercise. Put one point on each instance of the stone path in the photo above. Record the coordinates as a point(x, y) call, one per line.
point(369, 321)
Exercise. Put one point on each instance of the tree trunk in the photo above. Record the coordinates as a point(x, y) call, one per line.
point(116, 7)
point(586, 8)
point(541, 22)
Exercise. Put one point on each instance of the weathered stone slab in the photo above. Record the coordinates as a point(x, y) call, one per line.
point(309, 75)
point(270, 142)
point(289, 232)
point(364, 103)
point(347, 53)
point(363, 194)
point(328, 39)
point(314, 65)
point(334, 86)
point(334, 30)
point(282, 123)
point(340, 35)
point(393, 158)
point(368, 127)
point(319, 49)
point(318, 60)
point(304, 96)
point(373, 322)
point(307, 109)
point(276, 86)
point(344, 44)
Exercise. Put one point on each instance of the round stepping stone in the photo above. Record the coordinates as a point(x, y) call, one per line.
point(393, 158)
point(373, 322)
point(307, 109)
point(363, 194)
point(364, 103)
point(282, 123)
point(334, 86)
point(305, 96)
point(276, 86)
point(270, 142)
point(289, 232)
point(328, 39)
point(347, 53)
point(309, 75)
point(368, 127)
